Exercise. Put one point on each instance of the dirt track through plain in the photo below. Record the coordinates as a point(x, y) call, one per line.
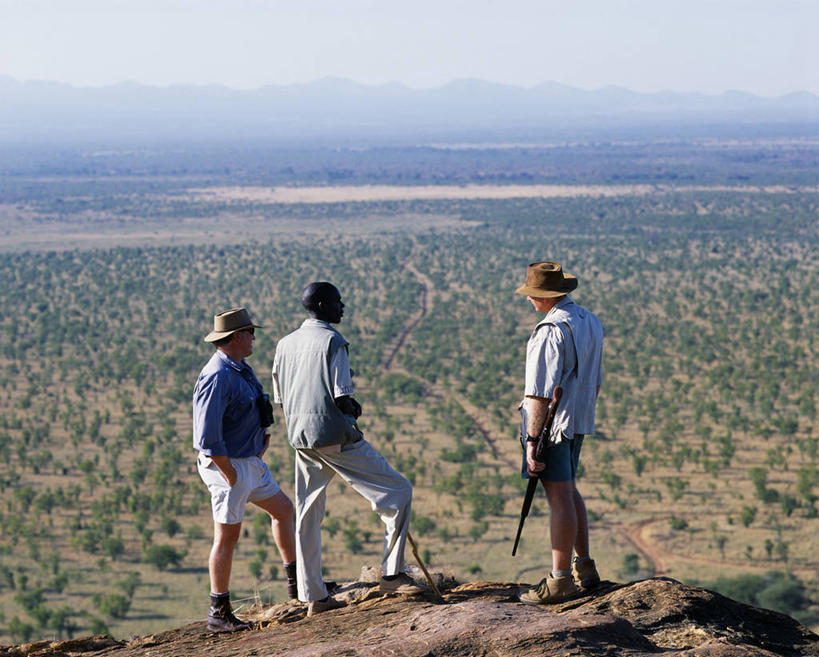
point(481, 423)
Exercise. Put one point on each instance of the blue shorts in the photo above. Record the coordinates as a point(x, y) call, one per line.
point(561, 460)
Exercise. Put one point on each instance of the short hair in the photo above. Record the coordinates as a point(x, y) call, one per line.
point(221, 342)
point(316, 292)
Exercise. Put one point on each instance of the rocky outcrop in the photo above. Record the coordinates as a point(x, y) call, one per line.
point(657, 616)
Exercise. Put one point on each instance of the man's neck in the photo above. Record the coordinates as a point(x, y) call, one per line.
point(552, 303)
point(320, 317)
point(231, 353)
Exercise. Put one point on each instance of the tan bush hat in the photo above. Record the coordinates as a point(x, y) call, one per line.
point(547, 279)
point(228, 322)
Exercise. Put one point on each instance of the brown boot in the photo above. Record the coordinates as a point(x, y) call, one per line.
point(318, 606)
point(585, 574)
point(550, 590)
point(403, 585)
point(221, 618)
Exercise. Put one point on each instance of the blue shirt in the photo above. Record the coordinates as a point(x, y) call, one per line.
point(225, 416)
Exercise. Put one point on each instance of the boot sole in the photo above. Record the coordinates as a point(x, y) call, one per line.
point(228, 630)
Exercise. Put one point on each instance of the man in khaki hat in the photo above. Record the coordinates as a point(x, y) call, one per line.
point(230, 416)
point(565, 350)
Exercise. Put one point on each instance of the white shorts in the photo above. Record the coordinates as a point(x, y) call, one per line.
point(253, 484)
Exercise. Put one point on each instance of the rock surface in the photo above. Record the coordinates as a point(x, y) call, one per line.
point(657, 616)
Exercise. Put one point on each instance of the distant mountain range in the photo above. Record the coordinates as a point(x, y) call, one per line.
point(337, 108)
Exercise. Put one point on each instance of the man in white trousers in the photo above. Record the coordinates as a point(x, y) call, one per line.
point(313, 383)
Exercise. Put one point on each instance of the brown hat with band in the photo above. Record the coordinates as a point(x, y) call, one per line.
point(547, 279)
point(229, 322)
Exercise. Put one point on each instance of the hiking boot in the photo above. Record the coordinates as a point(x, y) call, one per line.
point(403, 585)
point(550, 590)
point(318, 606)
point(221, 618)
point(585, 574)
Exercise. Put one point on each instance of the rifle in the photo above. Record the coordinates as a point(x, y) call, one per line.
point(540, 455)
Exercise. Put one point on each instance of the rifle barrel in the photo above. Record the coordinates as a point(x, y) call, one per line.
point(531, 487)
point(540, 450)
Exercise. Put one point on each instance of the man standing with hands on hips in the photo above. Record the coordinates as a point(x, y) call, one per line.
point(230, 417)
point(565, 350)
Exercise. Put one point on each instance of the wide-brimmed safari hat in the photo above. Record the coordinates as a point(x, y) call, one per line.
point(228, 322)
point(547, 279)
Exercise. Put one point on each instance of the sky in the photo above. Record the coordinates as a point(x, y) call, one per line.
point(765, 47)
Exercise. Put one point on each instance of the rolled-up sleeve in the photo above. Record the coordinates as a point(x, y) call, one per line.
point(340, 374)
point(544, 362)
point(277, 391)
point(208, 411)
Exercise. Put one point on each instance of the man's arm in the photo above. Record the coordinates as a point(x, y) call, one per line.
point(536, 410)
point(208, 409)
point(226, 468)
point(341, 376)
point(544, 364)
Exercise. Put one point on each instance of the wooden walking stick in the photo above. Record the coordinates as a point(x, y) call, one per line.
point(421, 563)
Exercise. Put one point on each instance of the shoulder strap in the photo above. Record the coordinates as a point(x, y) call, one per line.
point(574, 346)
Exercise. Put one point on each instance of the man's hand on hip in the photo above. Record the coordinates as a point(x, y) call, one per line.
point(226, 468)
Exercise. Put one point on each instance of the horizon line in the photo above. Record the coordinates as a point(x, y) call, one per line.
point(394, 83)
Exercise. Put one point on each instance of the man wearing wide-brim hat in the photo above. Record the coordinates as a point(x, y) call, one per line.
point(231, 413)
point(565, 350)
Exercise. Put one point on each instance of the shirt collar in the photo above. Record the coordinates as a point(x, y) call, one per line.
point(564, 303)
point(310, 321)
point(227, 360)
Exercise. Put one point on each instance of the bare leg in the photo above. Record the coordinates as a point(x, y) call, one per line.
point(280, 509)
point(581, 541)
point(562, 522)
point(225, 538)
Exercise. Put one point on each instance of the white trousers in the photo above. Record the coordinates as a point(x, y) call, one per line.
point(389, 493)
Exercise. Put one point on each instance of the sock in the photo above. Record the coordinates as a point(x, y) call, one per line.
point(391, 578)
point(218, 599)
point(292, 586)
point(581, 559)
point(561, 573)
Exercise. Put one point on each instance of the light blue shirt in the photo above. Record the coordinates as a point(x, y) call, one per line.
point(225, 416)
point(566, 350)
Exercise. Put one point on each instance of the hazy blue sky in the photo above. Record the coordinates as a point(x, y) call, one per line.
point(769, 47)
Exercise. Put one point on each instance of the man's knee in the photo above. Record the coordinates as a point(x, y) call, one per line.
point(560, 494)
point(226, 536)
point(405, 490)
point(280, 507)
point(399, 497)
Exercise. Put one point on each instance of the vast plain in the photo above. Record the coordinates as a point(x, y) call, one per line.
point(704, 463)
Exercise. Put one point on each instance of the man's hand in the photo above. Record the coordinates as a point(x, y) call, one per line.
point(265, 445)
point(226, 468)
point(348, 406)
point(533, 467)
